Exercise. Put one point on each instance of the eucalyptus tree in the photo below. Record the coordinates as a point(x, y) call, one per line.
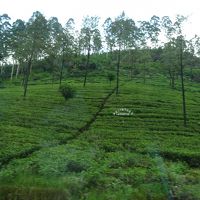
point(197, 45)
point(134, 61)
point(109, 37)
point(155, 29)
point(54, 44)
point(4, 38)
point(67, 44)
point(77, 48)
point(174, 33)
point(196, 58)
point(168, 27)
point(17, 44)
point(197, 52)
point(132, 44)
point(143, 49)
point(35, 43)
point(145, 61)
point(150, 31)
point(190, 55)
point(170, 61)
point(170, 53)
point(60, 44)
point(121, 34)
point(180, 45)
point(90, 40)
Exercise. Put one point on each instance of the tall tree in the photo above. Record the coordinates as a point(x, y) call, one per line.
point(4, 38)
point(67, 40)
point(77, 48)
point(17, 43)
point(170, 61)
point(35, 44)
point(90, 40)
point(168, 27)
point(109, 37)
point(54, 45)
point(197, 45)
point(150, 31)
point(170, 54)
point(190, 55)
point(180, 39)
point(121, 33)
point(174, 33)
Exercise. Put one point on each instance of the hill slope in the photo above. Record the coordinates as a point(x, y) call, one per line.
point(99, 145)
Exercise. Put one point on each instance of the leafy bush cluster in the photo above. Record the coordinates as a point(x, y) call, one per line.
point(67, 91)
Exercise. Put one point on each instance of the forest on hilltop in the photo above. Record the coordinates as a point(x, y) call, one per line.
point(144, 47)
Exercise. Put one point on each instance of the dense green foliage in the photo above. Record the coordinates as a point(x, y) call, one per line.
point(67, 91)
point(147, 154)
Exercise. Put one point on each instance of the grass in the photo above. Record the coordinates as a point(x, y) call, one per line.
point(147, 155)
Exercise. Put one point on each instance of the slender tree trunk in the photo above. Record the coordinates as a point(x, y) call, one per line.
point(27, 74)
point(173, 81)
point(132, 66)
point(172, 78)
point(191, 74)
point(30, 70)
point(86, 67)
point(111, 54)
point(61, 70)
point(76, 60)
point(1, 77)
point(12, 71)
point(131, 73)
point(182, 85)
point(24, 75)
point(52, 79)
point(144, 73)
point(118, 67)
point(17, 72)
point(2, 68)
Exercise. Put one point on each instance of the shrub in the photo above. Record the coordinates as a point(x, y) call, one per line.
point(67, 91)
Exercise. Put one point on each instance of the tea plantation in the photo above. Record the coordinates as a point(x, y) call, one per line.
point(99, 145)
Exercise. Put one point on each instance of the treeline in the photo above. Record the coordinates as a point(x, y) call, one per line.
point(141, 47)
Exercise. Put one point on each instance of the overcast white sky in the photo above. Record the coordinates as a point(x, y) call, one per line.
point(136, 9)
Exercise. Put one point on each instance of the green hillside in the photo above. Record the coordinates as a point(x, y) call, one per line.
point(99, 145)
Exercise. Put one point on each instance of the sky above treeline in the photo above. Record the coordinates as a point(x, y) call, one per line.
point(77, 9)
